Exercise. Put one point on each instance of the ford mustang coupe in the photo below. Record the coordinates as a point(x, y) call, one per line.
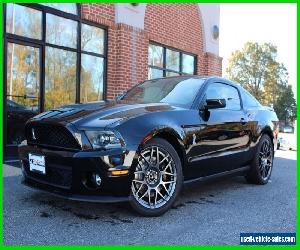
point(144, 146)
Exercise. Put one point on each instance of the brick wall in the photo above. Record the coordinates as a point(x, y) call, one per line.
point(175, 25)
point(213, 65)
point(131, 58)
point(178, 26)
point(99, 13)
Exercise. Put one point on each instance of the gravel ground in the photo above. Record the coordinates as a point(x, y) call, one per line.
point(211, 213)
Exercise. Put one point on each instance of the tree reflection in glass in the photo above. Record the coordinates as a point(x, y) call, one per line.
point(61, 31)
point(154, 73)
point(23, 75)
point(155, 55)
point(92, 39)
point(91, 88)
point(188, 64)
point(65, 7)
point(172, 60)
point(60, 77)
point(23, 21)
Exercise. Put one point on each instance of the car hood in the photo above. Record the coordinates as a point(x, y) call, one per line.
point(99, 114)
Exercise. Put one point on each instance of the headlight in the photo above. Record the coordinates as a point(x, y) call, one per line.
point(104, 139)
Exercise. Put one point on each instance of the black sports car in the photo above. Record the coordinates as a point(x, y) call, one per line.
point(144, 146)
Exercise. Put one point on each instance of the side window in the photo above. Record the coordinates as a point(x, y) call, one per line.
point(224, 91)
point(248, 100)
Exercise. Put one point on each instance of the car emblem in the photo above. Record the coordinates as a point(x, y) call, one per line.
point(33, 134)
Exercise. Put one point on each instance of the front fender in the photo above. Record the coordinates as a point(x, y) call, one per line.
point(139, 130)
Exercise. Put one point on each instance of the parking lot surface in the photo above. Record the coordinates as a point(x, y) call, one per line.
point(212, 213)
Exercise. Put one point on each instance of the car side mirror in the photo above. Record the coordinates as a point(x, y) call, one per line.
point(214, 104)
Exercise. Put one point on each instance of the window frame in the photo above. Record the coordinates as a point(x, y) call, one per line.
point(227, 84)
point(164, 68)
point(42, 44)
point(245, 94)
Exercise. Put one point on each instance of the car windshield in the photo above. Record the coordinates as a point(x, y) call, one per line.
point(180, 91)
point(288, 129)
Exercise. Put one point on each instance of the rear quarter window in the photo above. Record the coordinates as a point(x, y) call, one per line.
point(249, 101)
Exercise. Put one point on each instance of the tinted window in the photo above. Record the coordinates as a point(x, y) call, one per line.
point(224, 91)
point(248, 100)
point(286, 129)
point(177, 91)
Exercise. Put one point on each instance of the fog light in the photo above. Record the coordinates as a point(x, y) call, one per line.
point(119, 172)
point(97, 179)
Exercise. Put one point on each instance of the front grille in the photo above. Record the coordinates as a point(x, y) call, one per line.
point(50, 135)
point(55, 175)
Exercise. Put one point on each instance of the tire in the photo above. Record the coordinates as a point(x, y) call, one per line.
point(155, 187)
point(262, 163)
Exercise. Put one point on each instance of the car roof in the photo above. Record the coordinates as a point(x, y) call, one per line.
point(206, 78)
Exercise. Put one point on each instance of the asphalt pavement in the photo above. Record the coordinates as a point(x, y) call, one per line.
point(214, 213)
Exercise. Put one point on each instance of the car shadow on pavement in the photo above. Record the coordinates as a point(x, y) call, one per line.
point(208, 193)
point(118, 213)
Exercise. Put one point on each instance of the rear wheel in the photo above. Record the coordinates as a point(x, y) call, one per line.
point(157, 178)
point(262, 164)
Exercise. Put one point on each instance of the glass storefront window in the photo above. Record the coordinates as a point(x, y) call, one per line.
point(67, 73)
point(169, 73)
point(188, 65)
point(60, 77)
point(65, 7)
point(22, 89)
point(165, 62)
point(92, 39)
point(61, 31)
point(155, 73)
point(91, 88)
point(23, 21)
point(155, 55)
point(172, 60)
point(23, 75)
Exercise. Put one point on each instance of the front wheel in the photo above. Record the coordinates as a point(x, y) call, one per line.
point(262, 163)
point(157, 178)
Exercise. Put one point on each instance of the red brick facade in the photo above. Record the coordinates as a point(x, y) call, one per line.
point(213, 65)
point(178, 26)
point(175, 25)
point(100, 13)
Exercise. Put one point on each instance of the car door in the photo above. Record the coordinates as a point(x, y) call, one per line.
point(220, 141)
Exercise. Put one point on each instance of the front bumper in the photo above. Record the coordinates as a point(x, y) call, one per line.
point(66, 172)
